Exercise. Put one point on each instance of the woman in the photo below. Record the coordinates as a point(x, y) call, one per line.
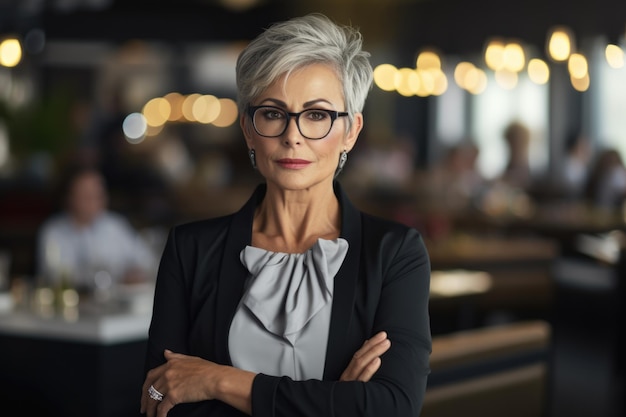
point(298, 304)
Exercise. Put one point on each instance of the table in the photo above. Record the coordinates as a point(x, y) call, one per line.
point(90, 365)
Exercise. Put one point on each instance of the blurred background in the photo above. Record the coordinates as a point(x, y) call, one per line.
point(498, 129)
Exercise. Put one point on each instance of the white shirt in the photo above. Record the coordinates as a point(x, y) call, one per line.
point(109, 244)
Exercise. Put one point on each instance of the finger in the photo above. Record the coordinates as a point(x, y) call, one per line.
point(164, 407)
point(151, 407)
point(378, 337)
point(144, 397)
point(370, 370)
point(151, 410)
point(143, 402)
point(151, 377)
point(367, 353)
point(363, 357)
point(149, 404)
point(169, 355)
point(374, 340)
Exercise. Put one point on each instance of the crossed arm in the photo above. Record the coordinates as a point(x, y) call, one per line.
point(184, 378)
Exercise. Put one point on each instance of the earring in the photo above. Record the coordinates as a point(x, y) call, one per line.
point(342, 161)
point(252, 156)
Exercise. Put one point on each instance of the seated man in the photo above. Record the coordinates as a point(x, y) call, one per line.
point(87, 244)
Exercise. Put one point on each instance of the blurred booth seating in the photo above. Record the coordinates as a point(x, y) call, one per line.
point(457, 292)
point(498, 371)
point(520, 281)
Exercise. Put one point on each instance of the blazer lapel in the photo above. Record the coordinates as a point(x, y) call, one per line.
point(232, 272)
point(345, 286)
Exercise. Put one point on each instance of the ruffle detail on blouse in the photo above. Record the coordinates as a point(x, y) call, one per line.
point(286, 290)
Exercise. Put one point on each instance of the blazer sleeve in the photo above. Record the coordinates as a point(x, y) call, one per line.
point(169, 326)
point(392, 295)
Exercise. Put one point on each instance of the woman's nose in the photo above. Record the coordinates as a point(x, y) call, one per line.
point(292, 135)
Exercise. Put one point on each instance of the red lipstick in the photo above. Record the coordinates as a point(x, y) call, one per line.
point(290, 163)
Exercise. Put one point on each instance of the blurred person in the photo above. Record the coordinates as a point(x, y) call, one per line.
point(299, 303)
point(517, 172)
point(575, 165)
point(86, 237)
point(606, 185)
point(456, 179)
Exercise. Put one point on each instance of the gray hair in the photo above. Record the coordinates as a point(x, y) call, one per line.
point(298, 42)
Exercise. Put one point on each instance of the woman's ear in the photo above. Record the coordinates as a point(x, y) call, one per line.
point(245, 128)
point(355, 130)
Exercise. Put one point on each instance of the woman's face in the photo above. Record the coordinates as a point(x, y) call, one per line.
point(291, 161)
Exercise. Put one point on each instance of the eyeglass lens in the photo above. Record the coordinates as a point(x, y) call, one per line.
point(272, 122)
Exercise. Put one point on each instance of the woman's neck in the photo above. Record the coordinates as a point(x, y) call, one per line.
point(292, 221)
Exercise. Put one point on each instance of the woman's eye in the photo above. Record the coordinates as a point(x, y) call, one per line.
point(273, 114)
point(316, 115)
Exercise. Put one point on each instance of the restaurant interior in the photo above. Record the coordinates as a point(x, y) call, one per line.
point(527, 284)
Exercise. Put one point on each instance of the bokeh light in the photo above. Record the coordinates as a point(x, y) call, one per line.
point(187, 107)
point(206, 108)
point(134, 127)
point(428, 60)
point(614, 56)
point(10, 52)
point(385, 77)
point(440, 82)
point(560, 44)
point(514, 57)
point(476, 81)
point(494, 55)
point(157, 111)
point(581, 84)
point(407, 82)
point(176, 104)
point(228, 113)
point(461, 72)
point(577, 65)
point(538, 71)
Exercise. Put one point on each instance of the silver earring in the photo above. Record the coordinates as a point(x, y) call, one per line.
point(252, 156)
point(342, 161)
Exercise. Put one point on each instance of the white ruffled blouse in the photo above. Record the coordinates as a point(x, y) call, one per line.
point(281, 325)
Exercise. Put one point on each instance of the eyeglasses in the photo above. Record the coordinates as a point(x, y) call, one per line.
point(272, 121)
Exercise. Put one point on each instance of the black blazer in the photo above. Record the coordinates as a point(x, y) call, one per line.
point(383, 284)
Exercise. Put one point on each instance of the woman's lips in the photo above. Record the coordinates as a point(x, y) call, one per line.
point(293, 163)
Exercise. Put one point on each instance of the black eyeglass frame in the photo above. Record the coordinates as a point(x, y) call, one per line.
point(333, 114)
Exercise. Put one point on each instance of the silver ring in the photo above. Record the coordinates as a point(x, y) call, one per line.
point(155, 394)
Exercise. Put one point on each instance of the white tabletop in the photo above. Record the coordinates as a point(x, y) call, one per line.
point(105, 329)
point(88, 323)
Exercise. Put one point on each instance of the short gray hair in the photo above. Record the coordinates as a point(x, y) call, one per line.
point(298, 42)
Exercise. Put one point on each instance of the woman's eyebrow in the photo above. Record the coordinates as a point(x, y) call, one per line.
point(307, 104)
point(316, 101)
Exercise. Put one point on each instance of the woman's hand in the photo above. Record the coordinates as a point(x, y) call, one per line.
point(185, 379)
point(181, 379)
point(366, 360)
